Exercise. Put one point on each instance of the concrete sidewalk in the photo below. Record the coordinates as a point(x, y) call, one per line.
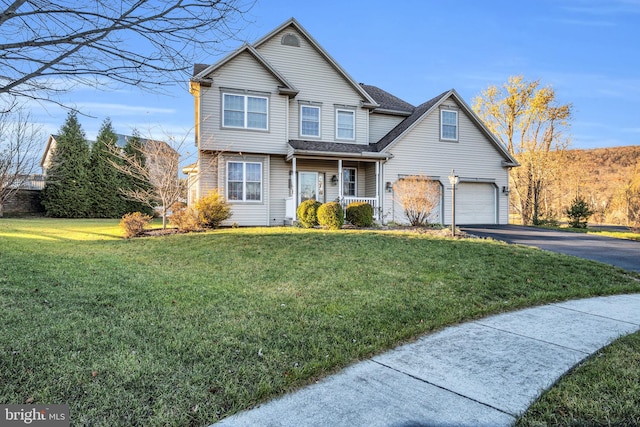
point(482, 373)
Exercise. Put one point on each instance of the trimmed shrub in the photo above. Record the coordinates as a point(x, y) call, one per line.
point(579, 213)
point(360, 214)
point(308, 213)
point(212, 210)
point(185, 219)
point(331, 215)
point(134, 224)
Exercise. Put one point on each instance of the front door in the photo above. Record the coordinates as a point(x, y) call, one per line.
point(307, 186)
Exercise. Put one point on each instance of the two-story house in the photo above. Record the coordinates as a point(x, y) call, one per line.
point(279, 121)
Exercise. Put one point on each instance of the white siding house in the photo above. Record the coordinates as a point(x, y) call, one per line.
point(279, 121)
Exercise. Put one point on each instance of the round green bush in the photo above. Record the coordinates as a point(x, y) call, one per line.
point(307, 213)
point(360, 214)
point(331, 215)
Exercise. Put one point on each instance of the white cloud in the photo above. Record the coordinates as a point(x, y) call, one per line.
point(113, 109)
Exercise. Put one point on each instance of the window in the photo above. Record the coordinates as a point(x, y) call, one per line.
point(309, 121)
point(345, 124)
point(244, 181)
point(449, 125)
point(348, 182)
point(243, 111)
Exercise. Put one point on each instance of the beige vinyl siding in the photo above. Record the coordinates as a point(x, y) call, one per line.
point(421, 151)
point(369, 170)
point(208, 174)
point(317, 81)
point(381, 124)
point(246, 213)
point(242, 73)
point(278, 189)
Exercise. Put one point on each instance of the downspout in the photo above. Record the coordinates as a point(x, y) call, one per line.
point(294, 183)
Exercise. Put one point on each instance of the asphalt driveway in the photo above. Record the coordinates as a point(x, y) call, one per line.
point(619, 252)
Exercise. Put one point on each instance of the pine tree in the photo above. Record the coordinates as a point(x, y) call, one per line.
point(133, 148)
point(106, 200)
point(65, 192)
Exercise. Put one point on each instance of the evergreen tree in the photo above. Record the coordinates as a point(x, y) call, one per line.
point(65, 192)
point(134, 149)
point(106, 200)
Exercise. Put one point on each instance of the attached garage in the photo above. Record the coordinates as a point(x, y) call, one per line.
point(476, 203)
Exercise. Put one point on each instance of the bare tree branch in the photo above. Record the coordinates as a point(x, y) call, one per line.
point(19, 140)
point(148, 44)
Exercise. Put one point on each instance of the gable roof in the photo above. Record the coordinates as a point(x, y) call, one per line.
point(402, 127)
point(426, 108)
point(388, 103)
point(201, 72)
point(369, 102)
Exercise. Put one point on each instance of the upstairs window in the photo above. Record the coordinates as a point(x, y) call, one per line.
point(244, 111)
point(449, 125)
point(345, 124)
point(310, 121)
point(244, 181)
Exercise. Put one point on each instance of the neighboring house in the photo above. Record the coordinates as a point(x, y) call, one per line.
point(157, 150)
point(45, 162)
point(279, 121)
point(25, 196)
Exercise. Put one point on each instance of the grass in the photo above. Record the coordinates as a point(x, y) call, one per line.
point(604, 390)
point(188, 329)
point(618, 234)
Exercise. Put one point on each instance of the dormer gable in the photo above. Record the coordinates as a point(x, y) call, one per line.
point(203, 76)
point(287, 48)
point(433, 106)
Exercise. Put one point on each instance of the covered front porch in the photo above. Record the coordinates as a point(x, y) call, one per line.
point(331, 176)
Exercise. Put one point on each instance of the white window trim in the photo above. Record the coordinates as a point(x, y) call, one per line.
point(246, 110)
point(319, 121)
point(244, 182)
point(442, 137)
point(353, 114)
point(355, 181)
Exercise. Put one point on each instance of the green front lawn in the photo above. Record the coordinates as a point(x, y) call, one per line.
point(187, 329)
point(604, 390)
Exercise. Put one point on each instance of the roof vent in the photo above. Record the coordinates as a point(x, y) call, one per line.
point(290, 40)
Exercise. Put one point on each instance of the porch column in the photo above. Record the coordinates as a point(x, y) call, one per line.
point(378, 197)
point(340, 195)
point(294, 183)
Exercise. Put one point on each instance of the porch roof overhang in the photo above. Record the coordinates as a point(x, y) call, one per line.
point(322, 149)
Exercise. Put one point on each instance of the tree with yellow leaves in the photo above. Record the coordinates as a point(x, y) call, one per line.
point(533, 126)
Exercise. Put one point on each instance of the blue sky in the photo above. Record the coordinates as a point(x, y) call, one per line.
point(587, 50)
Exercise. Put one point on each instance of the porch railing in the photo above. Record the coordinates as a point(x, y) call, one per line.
point(373, 201)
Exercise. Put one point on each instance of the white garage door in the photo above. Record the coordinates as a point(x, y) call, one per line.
point(475, 203)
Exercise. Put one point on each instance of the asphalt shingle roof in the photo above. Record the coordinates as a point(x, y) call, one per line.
point(331, 147)
point(406, 123)
point(198, 68)
point(386, 100)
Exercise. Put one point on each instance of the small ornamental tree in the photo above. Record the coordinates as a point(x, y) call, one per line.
point(579, 213)
point(131, 182)
point(418, 196)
